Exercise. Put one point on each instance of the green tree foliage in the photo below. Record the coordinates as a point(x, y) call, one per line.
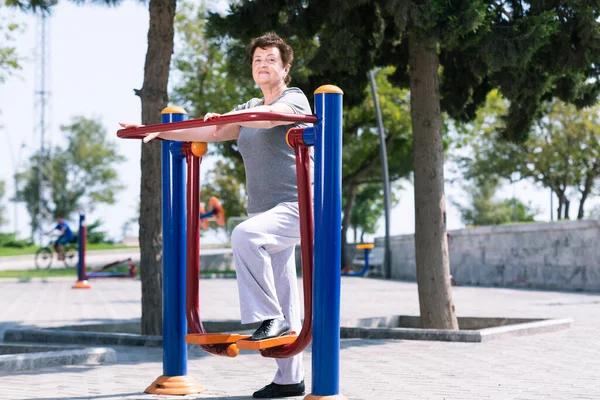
point(485, 210)
point(368, 209)
point(566, 140)
point(38, 5)
point(82, 175)
point(210, 80)
point(95, 235)
point(93, 160)
point(361, 160)
point(532, 51)
point(154, 98)
point(9, 61)
point(561, 152)
point(2, 206)
point(203, 83)
point(29, 182)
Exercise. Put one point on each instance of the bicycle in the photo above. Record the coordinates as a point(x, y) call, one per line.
point(44, 256)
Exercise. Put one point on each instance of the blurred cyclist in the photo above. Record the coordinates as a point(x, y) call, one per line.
point(66, 236)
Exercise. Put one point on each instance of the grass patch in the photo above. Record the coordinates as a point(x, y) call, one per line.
point(108, 246)
point(39, 273)
point(12, 251)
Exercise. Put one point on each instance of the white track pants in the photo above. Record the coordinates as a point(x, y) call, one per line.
point(263, 252)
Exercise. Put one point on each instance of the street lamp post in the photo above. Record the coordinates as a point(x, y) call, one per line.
point(387, 255)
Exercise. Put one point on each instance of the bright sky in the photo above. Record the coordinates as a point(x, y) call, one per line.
point(96, 60)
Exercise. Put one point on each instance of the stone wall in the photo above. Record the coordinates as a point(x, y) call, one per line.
point(556, 255)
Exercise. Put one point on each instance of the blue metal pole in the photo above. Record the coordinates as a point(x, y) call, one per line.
point(81, 249)
point(207, 214)
point(367, 251)
point(174, 265)
point(365, 268)
point(327, 253)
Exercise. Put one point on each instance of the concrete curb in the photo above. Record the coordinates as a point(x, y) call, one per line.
point(525, 329)
point(399, 327)
point(78, 337)
point(107, 335)
point(32, 356)
point(387, 328)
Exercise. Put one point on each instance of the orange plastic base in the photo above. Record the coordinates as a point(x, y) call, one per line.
point(175, 385)
point(81, 285)
point(266, 344)
point(332, 397)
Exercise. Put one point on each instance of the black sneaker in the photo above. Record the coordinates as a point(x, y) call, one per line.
point(275, 391)
point(271, 328)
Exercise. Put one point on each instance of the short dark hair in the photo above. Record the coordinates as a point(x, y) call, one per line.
point(271, 39)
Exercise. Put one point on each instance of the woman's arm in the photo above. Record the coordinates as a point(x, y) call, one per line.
point(280, 108)
point(220, 133)
point(199, 134)
point(224, 131)
point(209, 134)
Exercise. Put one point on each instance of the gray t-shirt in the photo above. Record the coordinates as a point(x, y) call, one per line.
point(269, 162)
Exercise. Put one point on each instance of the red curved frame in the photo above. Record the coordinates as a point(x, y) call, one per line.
point(307, 244)
point(306, 234)
point(142, 131)
point(193, 254)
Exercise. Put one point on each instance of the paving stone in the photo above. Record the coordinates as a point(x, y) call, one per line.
point(554, 365)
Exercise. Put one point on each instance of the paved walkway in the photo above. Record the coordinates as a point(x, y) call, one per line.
point(559, 365)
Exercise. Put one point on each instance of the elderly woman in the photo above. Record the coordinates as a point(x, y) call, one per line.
point(263, 245)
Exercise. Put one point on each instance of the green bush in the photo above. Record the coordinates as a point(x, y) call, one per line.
point(10, 240)
point(96, 236)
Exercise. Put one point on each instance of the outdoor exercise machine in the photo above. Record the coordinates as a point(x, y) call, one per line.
point(367, 247)
point(106, 271)
point(216, 212)
point(181, 245)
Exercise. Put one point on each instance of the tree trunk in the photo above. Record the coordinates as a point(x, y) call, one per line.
point(580, 212)
point(560, 195)
point(154, 99)
point(431, 246)
point(587, 188)
point(347, 212)
point(567, 205)
point(559, 208)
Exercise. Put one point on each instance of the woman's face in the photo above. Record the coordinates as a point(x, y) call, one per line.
point(267, 67)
